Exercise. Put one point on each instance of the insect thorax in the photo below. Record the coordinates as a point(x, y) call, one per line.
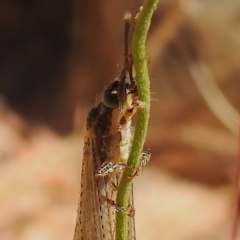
point(112, 129)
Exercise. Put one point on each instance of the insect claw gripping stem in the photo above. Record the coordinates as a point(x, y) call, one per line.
point(130, 177)
point(130, 212)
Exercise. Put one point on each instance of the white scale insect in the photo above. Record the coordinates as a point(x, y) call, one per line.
point(106, 149)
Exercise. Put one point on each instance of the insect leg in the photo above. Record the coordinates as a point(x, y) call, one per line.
point(129, 212)
point(145, 158)
point(108, 168)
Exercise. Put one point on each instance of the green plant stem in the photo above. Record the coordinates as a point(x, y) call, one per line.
point(143, 83)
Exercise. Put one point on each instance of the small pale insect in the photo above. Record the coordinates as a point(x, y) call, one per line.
point(106, 150)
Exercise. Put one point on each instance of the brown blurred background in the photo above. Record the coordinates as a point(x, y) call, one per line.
point(56, 57)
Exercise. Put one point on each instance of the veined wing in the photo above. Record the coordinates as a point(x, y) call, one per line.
point(131, 221)
point(111, 216)
point(85, 214)
point(97, 210)
point(95, 217)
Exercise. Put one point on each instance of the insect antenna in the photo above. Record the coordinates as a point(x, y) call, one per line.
point(125, 82)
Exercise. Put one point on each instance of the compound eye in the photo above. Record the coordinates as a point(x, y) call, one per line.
point(110, 95)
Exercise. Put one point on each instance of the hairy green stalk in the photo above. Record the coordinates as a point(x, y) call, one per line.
point(143, 83)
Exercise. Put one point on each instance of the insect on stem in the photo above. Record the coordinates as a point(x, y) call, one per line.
point(106, 149)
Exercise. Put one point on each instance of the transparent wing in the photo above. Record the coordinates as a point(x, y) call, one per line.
point(132, 231)
point(112, 194)
point(95, 217)
point(84, 217)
